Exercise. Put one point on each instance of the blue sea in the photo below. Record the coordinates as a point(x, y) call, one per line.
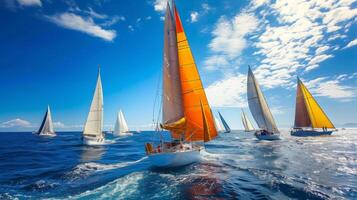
point(234, 166)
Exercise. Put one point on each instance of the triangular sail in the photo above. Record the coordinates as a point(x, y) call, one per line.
point(218, 124)
point(308, 111)
point(258, 105)
point(248, 126)
point(121, 126)
point(192, 90)
point(94, 123)
point(172, 97)
point(224, 123)
point(46, 125)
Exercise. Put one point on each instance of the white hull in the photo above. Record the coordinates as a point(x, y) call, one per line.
point(47, 134)
point(175, 159)
point(93, 141)
point(274, 136)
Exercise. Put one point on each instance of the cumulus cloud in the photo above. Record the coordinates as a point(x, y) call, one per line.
point(160, 5)
point(20, 123)
point(86, 25)
point(194, 16)
point(30, 2)
point(288, 38)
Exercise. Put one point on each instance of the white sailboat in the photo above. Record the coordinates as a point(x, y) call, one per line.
point(93, 128)
point(260, 110)
point(248, 126)
point(121, 127)
point(46, 128)
point(186, 112)
point(226, 128)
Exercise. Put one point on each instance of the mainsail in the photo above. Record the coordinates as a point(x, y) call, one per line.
point(120, 126)
point(258, 105)
point(225, 125)
point(94, 123)
point(308, 112)
point(46, 125)
point(246, 122)
point(182, 87)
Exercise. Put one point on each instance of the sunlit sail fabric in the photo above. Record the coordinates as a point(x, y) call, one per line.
point(94, 123)
point(224, 123)
point(172, 96)
point(46, 125)
point(192, 90)
point(218, 124)
point(308, 112)
point(120, 125)
point(258, 106)
point(246, 122)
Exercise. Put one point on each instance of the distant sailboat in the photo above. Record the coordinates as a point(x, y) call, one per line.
point(186, 112)
point(121, 127)
point(224, 123)
point(93, 128)
point(310, 119)
point(218, 125)
point(246, 123)
point(260, 110)
point(46, 128)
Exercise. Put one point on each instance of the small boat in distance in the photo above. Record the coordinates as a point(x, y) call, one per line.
point(248, 126)
point(227, 129)
point(260, 110)
point(93, 128)
point(46, 128)
point(310, 119)
point(186, 113)
point(121, 127)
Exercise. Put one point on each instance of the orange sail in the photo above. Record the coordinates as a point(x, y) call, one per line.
point(192, 91)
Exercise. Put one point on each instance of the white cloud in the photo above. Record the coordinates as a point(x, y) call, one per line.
point(351, 44)
point(15, 123)
point(59, 125)
point(331, 88)
point(85, 25)
point(160, 5)
point(30, 2)
point(194, 16)
point(229, 92)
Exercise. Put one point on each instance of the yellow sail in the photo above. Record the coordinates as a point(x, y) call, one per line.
point(317, 116)
point(192, 90)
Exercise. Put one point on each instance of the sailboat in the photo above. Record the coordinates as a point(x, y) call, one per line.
point(310, 119)
point(121, 127)
point(186, 113)
point(46, 128)
point(248, 126)
point(219, 126)
point(224, 123)
point(93, 128)
point(260, 110)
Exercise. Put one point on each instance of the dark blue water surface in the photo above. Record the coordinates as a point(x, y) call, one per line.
point(234, 166)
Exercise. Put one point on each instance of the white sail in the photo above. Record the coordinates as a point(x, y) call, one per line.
point(46, 125)
point(218, 124)
point(246, 122)
point(94, 123)
point(121, 126)
point(258, 105)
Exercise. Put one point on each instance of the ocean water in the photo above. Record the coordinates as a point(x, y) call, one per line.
point(234, 166)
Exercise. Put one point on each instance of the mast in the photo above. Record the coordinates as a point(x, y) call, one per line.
point(225, 125)
point(94, 123)
point(258, 105)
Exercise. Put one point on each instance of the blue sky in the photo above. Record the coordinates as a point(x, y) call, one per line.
point(50, 51)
